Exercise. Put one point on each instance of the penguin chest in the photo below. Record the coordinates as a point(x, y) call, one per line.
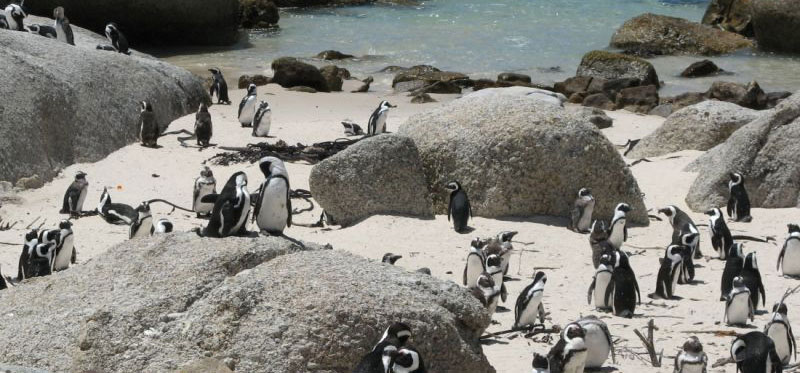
point(576, 361)
point(474, 270)
point(693, 367)
point(243, 210)
point(602, 280)
point(617, 235)
point(585, 222)
point(273, 212)
point(791, 258)
point(675, 274)
point(64, 255)
point(261, 129)
point(596, 345)
point(248, 111)
point(739, 309)
point(530, 313)
point(380, 123)
point(81, 199)
point(143, 230)
point(200, 207)
point(777, 331)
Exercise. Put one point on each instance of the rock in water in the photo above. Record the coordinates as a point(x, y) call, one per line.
point(259, 14)
point(291, 72)
point(334, 77)
point(518, 156)
point(258, 300)
point(697, 127)
point(378, 175)
point(750, 96)
point(777, 24)
point(514, 78)
point(700, 68)
point(333, 55)
point(428, 75)
point(730, 15)
point(607, 65)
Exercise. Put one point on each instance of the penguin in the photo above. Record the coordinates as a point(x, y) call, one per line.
point(40, 260)
point(789, 258)
point(24, 268)
point(65, 253)
point(3, 284)
point(529, 302)
point(601, 281)
point(494, 267)
point(3, 22)
point(204, 185)
point(75, 195)
point(669, 272)
point(721, 238)
point(687, 242)
point(396, 334)
point(486, 292)
point(681, 224)
point(739, 202)
point(352, 129)
point(390, 258)
point(262, 120)
point(117, 39)
point(623, 291)
point(752, 279)
point(618, 230)
point(408, 360)
point(733, 267)
point(780, 331)
point(569, 354)
point(231, 208)
point(379, 360)
point(148, 128)
point(43, 30)
point(599, 343)
point(739, 305)
point(219, 86)
point(540, 364)
point(15, 17)
point(691, 359)
point(582, 211)
point(598, 240)
point(247, 107)
point(63, 29)
point(505, 238)
point(273, 206)
point(754, 352)
point(161, 226)
point(377, 121)
point(203, 129)
point(115, 213)
point(476, 265)
point(142, 225)
point(459, 207)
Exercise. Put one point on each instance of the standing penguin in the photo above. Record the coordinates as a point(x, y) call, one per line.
point(601, 281)
point(262, 120)
point(494, 267)
point(41, 260)
point(15, 17)
point(529, 302)
point(582, 211)
point(486, 292)
point(598, 240)
point(148, 128)
point(789, 257)
point(780, 330)
point(755, 352)
point(161, 226)
point(65, 253)
point(599, 343)
point(623, 292)
point(204, 185)
point(408, 360)
point(506, 247)
point(377, 121)
point(569, 354)
point(721, 238)
point(117, 39)
point(618, 229)
point(24, 268)
point(687, 241)
point(379, 360)
point(459, 207)
point(739, 306)
point(203, 128)
point(733, 267)
point(273, 207)
point(692, 359)
point(219, 86)
point(476, 264)
point(739, 201)
point(63, 29)
point(752, 279)
point(231, 208)
point(247, 107)
point(142, 226)
point(681, 224)
point(669, 272)
point(75, 195)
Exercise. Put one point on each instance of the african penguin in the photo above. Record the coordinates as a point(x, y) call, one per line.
point(15, 17)
point(601, 281)
point(203, 128)
point(780, 331)
point(148, 128)
point(669, 272)
point(789, 257)
point(540, 364)
point(377, 121)
point(459, 208)
point(247, 107)
point(397, 334)
point(117, 39)
point(505, 238)
point(618, 230)
point(529, 302)
point(738, 306)
point(63, 29)
point(733, 267)
point(204, 185)
point(599, 343)
point(754, 352)
point(273, 206)
point(231, 208)
point(681, 224)
point(219, 86)
point(476, 265)
point(75, 195)
point(739, 202)
point(598, 240)
point(352, 129)
point(569, 354)
point(623, 291)
point(40, 260)
point(582, 211)
point(116, 213)
point(65, 253)
point(24, 267)
point(687, 241)
point(3, 22)
point(379, 360)
point(161, 226)
point(43, 30)
point(486, 292)
point(142, 225)
point(752, 279)
point(721, 238)
point(691, 359)
point(408, 360)
point(3, 284)
point(262, 120)
point(390, 258)
point(494, 267)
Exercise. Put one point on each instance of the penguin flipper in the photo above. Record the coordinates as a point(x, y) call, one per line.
point(503, 293)
point(541, 312)
point(780, 256)
point(591, 290)
point(74, 258)
point(609, 290)
point(210, 198)
point(636, 286)
point(761, 290)
point(288, 206)
point(729, 207)
point(466, 266)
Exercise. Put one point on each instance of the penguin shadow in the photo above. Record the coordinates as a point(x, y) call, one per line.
point(545, 220)
point(492, 341)
point(695, 283)
point(601, 369)
point(466, 230)
point(501, 309)
point(151, 147)
point(761, 312)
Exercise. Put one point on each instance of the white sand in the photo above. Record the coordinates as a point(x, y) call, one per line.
point(308, 118)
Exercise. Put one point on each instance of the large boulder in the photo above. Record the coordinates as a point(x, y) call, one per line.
point(777, 24)
point(765, 151)
point(66, 104)
point(428, 75)
point(291, 72)
point(181, 22)
point(377, 175)
point(334, 76)
point(750, 95)
point(697, 127)
point(259, 14)
point(665, 35)
point(608, 66)
point(518, 156)
point(730, 15)
point(640, 99)
point(263, 304)
point(516, 91)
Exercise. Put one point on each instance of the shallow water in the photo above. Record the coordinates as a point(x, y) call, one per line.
point(542, 38)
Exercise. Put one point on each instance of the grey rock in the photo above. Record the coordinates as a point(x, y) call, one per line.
point(33, 182)
point(334, 77)
point(600, 101)
point(258, 79)
point(596, 116)
point(684, 99)
point(377, 175)
point(422, 98)
point(750, 95)
point(608, 65)
point(663, 110)
point(765, 150)
point(527, 160)
point(697, 127)
point(776, 22)
point(638, 99)
point(700, 68)
point(774, 98)
point(205, 365)
point(291, 72)
point(573, 85)
point(365, 86)
point(612, 87)
point(428, 74)
point(410, 85)
point(514, 77)
point(302, 88)
point(516, 91)
point(333, 55)
point(259, 14)
point(730, 15)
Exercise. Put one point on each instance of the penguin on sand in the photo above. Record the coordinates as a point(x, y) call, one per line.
point(752, 279)
point(63, 29)
point(691, 359)
point(476, 265)
point(569, 353)
point(780, 330)
point(231, 209)
point(739, 201)
point(623, 291)
point(262, 120)
point(789, 257)
point(247, 107)
point(601, 281)
point(203, 128)
point(24, 268)
point(273, 206)
point(43, 30)
point(721, 238)
point(377, 121)
point(75, 195)
point(598, 342)
point(681, 224)
point(219, 86)
point(618, 230)
point(142, 226)
point(118, 41)
point(459, 208)
point(148, 128)
point(507, 248)
point(486, 292)
point(64, 241)
point(116, 213)
point(529, 302)
point(494, 267)
point(755, 352)
point(733, 267)
point(739, 306)
point(598, 240)
point(204, 185)
point(668, 273)
point(582, 210)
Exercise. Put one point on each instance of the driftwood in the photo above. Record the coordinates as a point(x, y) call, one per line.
point(655, 359)
point(716, 333)
point(529, 330)
point(311, 154)
point(6, 226)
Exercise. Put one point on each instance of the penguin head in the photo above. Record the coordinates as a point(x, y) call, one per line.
point(793, 228)
point(623, 207)
point(506, 236)
point(453, 186)
point(540, 362)
point(65, 224)
point(485, 281)
point(146, 106)
point(32, 235)
point(693, 345)
point(736, 250)
point(607, 261)
point(780, 308)
point(739, 349)
point(215, 71)
point(112, 31)
point(385, 105)
point(493, 260)
point(206, 172)
point(80, 175)
point(585, 192)
point(738, 282)
point(16, 12)
point(539, 279)
point(478, 243)
point(407, 360)
point(58, 13)
point(621, 260)
point(599, 229)
point(272, 166)
point(736, 178)
point(251, 89)
point(143, 209)
point(573, 331)
point(715, 212)
point(4, 23)
point(750, 261)
point(670, 211)
point(390, 258)
point(203, 108)
point(397, 334)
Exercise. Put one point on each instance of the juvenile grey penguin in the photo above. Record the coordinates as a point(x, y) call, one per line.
point(529, 302)
point(780, 331)
point(204, 185)
point(377, 121)
point(618, 230)
point(247, 107)
point(148, 128)
point(623, 292)
point(262, 120)
point(601, 282)
point(476, 265)
point(219, 86)
point(755, 352)
point(161, 226)
point(390, 258)
point(789, 257)
point(273, 206)
point(739, 201)
point(739, 306)
point(142, 226)
point(669, 272)
point(599, 343)
point(598, 240)
point(721, 238)
point(231, 208)
point(15, 17)
point(459, 207)
point(63, 29)
point(408, 360)
point(75, 195)
point(569, 353)
point(733, 267)
point(118, 41)
point(691, 359)
point(752, 279)
point(203, 128)
point(582, 210)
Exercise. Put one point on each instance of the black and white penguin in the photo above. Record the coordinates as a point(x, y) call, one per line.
point(486, 292)
point(148, 128)
point(247, 107)
point(262, 120)
point(739, 306)
point(582, 210)
point(408, 360)
point(540, 364)
point(754, 352)
point(780, 331)
point(142, 226)
point(63, 29)
point(75, 195)
point(115, 213)
point(669, 272)
point(379, 360)
point(623, 292)
point(691, 359)
point(377, 121)
point(476, 264)
point(598, 240)
point(204, 185)
point(24, 267)
point(599, 343)
point(390, 258)
point(688, 241)
point(231, 208)
point(601, 281)
point(507, 247)
point(494, 267)
point(789, 257)
point(117, 39)
point(569, 353)
point(397, 334)
point(203, 128)
point(3, 22)
point(43, 30)
point(40, 260)
point(65, 253)
point(733, 267)
point(721, 238)
point(15, 17)
point(219, 86)
point(681, 224)
point(529, 302)
point(752, 279)
point(739, 201)
point(273, 207)
point(352, 129)
point(618, 230)
point(459, 207)
point(161, 226)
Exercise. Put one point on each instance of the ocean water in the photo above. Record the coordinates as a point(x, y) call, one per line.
point(542, 38)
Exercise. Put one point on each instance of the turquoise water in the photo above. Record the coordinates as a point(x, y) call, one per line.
point(543, 38)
